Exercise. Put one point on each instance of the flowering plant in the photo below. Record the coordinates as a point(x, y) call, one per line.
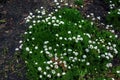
point(62, 45)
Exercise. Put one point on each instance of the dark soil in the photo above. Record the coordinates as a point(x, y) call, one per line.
point(13, 12)
point(11, 30)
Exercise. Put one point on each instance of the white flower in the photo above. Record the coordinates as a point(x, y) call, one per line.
point(63, 73)
point(50, 55)
point(69, 32)
point(44, 73)
point(60, 38)
point(34, 21)
point(98, 18)
point(41, 7)
point(30, 32)
point(50, 48)
point(76, 41)
point(46, 42)
point(56, 35)
point(30, 52)
point(58, 74)
point(33, 16)
point(36, 63)
point(53, 21)
point(55, 0)
point(36, 47)
point(95, 47)
point(93, 18)
point(55, 63)
point(27, 20)
point(57, 3)
point(63, 44)
point(16, 49)
point(38, 21)
point(31, 13)
point(84, 56)
point(91, 23)
point(83, 60)
point(110, 36)
point(89, 41)
point(25, 33)
point(98, 50)
point(54, 17)
point(47, 67)
point(66, 4)
point(61, 22)
point(43, 20)
point(30, 26)
point(55, 49)
point(41, 51)
point(92, 14)
point(113, 78)
point(33, 38)
point(60, 16)
point(40, 76)
point(43, 12)
point(57, 21)
point(76, 53)
point(74, 37)
point(39, 16)
point(81, 39)
point(91, 46)
point(69, 67)
point(69, 50)
point(65, 39)
point(26, 62)
point(56, 10)
point(118, 72)
point(49, 23)
point(87, 50)
point(49, 76)
point(73, 60)
point(39, 68)
point(53, 72)
point(28, 40)
point(56, 66)
point(48, 62)
point(107, 57)
point(27, 49)
point(79, 26)
point(109, 65)
point(47, 52)
point(87, 63)
point(114, 45)
point(64, 54)
point(59, 6)
point(88, 16)
point(116, 36)
point(21, 46)
point(102, 55)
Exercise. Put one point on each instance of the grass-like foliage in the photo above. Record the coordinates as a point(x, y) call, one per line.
point(63, 45)
point(113, 18)
point(113, 3)
point(78, 2)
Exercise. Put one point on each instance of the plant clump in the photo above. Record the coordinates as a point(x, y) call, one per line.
point(62, 45)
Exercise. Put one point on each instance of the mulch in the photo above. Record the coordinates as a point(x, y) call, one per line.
point(13, 12)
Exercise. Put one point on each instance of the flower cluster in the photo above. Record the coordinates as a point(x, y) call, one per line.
point(62, 45)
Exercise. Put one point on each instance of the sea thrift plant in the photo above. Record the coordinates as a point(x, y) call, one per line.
point(62, 45)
